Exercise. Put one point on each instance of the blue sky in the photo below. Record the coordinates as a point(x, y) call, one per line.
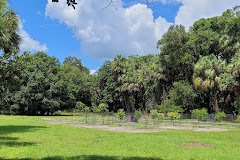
point(94, 35)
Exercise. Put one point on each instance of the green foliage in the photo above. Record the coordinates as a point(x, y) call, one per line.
point(169, 107)
point(201, 114)
point(237, 105)
point(173, 115)
point(238, 119)
point(102, 109)
point(79, 106)
point(120, 115)
point(182, 94)
point(220, 116)
point(137, 114)
point(156, 115)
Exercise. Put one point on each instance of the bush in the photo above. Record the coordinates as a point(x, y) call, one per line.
point(238, 119)
point(138, 114)
point(220, 116)
point(173, 115)
point(79, 106)
point(120, 115)
point(156, 115)
point(201, 114)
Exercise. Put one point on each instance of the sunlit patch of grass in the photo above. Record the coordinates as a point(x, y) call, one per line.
point(23, 137)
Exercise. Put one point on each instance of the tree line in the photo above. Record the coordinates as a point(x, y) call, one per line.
point(195, 69)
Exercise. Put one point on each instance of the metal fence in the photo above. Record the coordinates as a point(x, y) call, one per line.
point(229, 117)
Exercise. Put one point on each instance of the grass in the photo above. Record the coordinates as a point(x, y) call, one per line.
point(27, 138)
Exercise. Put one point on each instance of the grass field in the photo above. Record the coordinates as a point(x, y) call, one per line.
point(27, 138)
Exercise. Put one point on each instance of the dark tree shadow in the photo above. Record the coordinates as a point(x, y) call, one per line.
point(91, 157)
point(17, 129)
point(6, 140)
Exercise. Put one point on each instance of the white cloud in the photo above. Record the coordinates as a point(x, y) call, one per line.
point(29, 44)
point(193, 10)
point(92, 71)
point(127, 31)
point(108, 32)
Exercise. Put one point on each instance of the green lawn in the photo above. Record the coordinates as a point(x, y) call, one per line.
point(24, 137)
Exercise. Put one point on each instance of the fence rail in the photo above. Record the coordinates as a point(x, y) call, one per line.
point(229, 117)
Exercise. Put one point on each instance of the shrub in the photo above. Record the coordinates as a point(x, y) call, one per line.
point(220, 116)
point(238, 119)
point(79, 106)
point(120, 115)
point(138, 114)
point(201, 114)
point(156, 115)
point(173, 116)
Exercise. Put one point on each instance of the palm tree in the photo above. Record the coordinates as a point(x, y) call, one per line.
point(157, 74)
point(206, 75)
point(9, 26)
point(234, 69)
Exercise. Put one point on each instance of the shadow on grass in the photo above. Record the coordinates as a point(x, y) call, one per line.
point(90, 157)
point(8, 141)
point(17, 129)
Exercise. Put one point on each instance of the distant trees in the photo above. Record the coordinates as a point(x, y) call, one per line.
point(195, 69)
point(42, 86)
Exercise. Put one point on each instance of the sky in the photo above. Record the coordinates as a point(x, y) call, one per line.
point(94, 33)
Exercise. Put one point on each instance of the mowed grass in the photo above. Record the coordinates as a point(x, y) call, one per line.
point(27, 138)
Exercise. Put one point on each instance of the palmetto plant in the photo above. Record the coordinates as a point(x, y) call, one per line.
point(206, 76)
point(233, 69)
point(9, 25)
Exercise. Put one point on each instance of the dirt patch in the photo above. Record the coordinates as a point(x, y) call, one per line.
point(127, 128)
point(196, 144)
point(103, 127)
point(195, 129)
point(211, 129)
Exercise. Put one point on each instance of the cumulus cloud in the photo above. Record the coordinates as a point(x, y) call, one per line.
point(29, 44)
point(127, 31)
point(108, 32)
point(193, 10)
point(92, 71)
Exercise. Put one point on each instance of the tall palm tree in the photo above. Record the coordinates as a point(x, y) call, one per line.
point(156, 73)
point(234, 69)
point(9, 26)
point(206, 74)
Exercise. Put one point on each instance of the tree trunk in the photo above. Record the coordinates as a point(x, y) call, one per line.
point(238, 93)
point(164, 93)
point(216, 102)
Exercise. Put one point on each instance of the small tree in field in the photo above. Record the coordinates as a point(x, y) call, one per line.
point(173, 116)
point(156, 115)
point(201, 114)
point(220, 116)
point(120, 115)
point(86, 112)
point(102, 109)
point(138, 115)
